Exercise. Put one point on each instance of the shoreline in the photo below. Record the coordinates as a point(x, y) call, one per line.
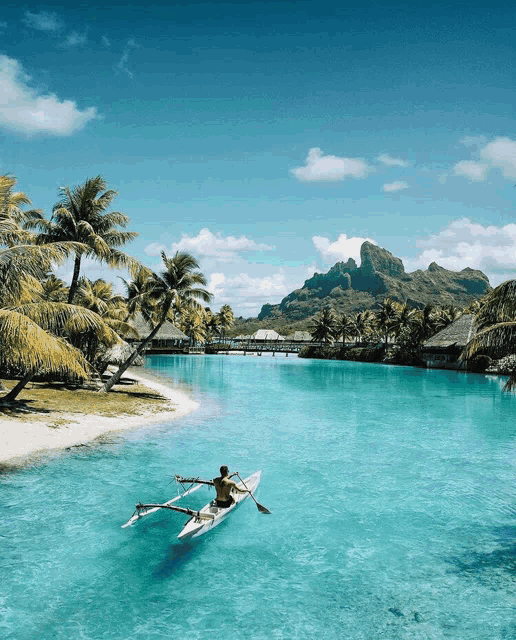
point(22, 441)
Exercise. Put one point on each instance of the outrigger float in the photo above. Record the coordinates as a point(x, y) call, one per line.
point(209, 516)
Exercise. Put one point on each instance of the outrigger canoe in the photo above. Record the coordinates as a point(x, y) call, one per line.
point(209, 516)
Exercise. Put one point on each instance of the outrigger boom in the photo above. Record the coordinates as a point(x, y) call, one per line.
point(190, 512)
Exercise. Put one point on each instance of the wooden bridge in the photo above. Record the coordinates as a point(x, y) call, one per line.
point(245, 348)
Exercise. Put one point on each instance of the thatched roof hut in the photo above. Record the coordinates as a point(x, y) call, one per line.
point(444, 349)
point(167, 332)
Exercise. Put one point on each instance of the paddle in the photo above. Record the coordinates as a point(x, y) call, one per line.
point(261, 508)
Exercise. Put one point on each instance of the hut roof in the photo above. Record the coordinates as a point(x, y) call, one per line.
point(167, 332)
point(300, 336)
point(243, 337)
point(266, 334)
point(457, 334)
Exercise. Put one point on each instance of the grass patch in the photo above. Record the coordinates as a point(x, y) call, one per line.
point(56, 402)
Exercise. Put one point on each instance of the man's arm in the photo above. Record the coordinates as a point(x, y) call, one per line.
point(237, 488)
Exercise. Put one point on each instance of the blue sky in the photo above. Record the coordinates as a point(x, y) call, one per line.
point(272, 139)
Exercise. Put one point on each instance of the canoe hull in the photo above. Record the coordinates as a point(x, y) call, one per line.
point(196, 527)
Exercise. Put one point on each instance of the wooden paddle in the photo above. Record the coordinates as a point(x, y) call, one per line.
point(261, 508)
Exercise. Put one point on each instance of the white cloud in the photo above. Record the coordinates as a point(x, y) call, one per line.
point(472, 170)
point(342, 249)
point(25, 109)
point(43, 21)
point(246, 293)
point(392, 162)
point(465, 243)
point(106, 41)
point(122, 63)
point(321, 168)
point(501, 153)
point(211, 245)
point(498, 154)
point(215, 282)
point(395, 186)
point(74, 39)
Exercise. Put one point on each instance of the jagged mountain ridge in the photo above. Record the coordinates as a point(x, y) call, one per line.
point(350, 288)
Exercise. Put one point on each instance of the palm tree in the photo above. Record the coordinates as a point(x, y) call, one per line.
point(226, 319)
point(54, 289)
point(407, 318)
point(12, 215)
point(177, 283)
point(211, 324)
point(345, 328)
point(193, 324)
point(363, 322)
point(497, 323)
point(386, 318)
point(27, 347)
point(80, 216)
point(324, 327)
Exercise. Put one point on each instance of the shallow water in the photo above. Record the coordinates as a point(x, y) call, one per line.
point(393, 499)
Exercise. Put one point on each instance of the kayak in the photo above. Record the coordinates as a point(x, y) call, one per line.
point(211, 515)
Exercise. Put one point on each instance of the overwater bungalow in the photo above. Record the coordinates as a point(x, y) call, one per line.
point(442, 351)
point(303, 337)
point(266, 336)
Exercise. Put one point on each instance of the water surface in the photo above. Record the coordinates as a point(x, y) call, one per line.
point(393, 499)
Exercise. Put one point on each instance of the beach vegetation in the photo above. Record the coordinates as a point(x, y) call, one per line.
point(178, 285)
point(81, 216)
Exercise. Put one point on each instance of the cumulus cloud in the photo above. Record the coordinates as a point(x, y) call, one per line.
point(320, 168)
point(392, 162)
point(342, 249)
point(498, 154)
point(247, 292)
point(395, 186)
point(471, 170)
point(211, 245)
point(501, 153)
point(464, 243)
point(43, 21)
point(25, 109)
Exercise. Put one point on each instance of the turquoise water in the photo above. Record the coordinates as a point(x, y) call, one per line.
point(394, 512)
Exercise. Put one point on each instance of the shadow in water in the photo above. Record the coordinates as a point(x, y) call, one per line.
point(177, 555)
point(503, 558)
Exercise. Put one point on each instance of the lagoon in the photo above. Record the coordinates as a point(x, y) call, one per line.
point(393, 497)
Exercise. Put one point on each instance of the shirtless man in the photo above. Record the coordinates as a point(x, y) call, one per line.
point(224, 486)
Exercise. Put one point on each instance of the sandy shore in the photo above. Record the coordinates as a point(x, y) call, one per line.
point(21, 439)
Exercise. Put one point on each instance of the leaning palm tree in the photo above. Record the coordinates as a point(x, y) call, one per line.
point(497, 323)
point(324, 327)
point(80, 216)
point(177, 283)
point(26, 347)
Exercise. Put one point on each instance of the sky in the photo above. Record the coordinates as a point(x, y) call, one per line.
point(271, 139)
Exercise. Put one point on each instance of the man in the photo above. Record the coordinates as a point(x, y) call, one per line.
point(224, 486)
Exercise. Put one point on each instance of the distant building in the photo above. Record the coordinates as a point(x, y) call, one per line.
point(442, 351)
point(266, 336)
point(169, 338)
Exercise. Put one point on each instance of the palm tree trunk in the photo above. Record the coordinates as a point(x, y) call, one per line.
point(75, 278)
point(16, 389)
point(125, 365)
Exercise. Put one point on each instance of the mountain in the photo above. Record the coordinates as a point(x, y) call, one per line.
point(350, 288)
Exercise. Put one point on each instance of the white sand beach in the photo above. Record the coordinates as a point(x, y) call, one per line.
point(20, 439)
